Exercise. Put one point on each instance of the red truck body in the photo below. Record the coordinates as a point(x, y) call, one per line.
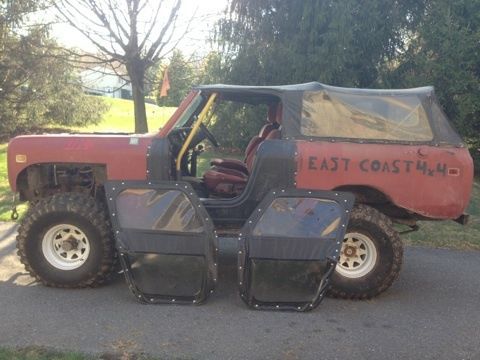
point(312, 205)
point(433, 181)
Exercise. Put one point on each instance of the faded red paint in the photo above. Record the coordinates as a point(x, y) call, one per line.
point(124, 155)
point(435, 182)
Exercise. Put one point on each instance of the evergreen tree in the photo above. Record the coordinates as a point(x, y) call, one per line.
point(445, 52)
point(181, 75)
point(370, 44)
point(337, 42)
point(37, 86)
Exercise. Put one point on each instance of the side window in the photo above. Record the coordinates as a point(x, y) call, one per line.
point(300, 218)
point(364, 116)
point(163, 210)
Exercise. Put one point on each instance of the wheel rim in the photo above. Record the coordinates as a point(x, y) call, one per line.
point(65, 247)
point(357, 257)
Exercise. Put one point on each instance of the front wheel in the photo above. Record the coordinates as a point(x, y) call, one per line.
point(65, 241)
point(371, 256)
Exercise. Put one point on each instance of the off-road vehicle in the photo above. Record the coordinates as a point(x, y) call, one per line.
point(313, 204)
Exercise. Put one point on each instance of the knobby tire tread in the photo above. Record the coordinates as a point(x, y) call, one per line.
point(76, 204)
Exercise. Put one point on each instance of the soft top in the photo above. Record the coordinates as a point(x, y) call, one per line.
point(315, 110)
point(311, 86)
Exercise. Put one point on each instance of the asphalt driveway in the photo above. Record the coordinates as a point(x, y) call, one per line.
point(431, 312)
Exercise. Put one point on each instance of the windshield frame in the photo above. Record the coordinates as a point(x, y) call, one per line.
point(178, 114)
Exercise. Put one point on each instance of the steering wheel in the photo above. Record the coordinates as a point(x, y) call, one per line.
point(209, 135)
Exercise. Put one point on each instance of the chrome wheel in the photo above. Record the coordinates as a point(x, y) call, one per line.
point(357, 257)
point(65, 247)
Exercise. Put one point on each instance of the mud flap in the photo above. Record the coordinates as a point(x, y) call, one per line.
point(165, 239)
point(289, 247)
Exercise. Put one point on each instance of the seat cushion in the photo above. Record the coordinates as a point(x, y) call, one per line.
point(249, 151)
point(230, 164)
point(224, 181)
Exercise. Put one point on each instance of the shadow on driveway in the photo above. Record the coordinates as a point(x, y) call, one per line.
point(431, 312)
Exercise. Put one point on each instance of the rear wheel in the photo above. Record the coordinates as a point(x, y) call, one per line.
point(371, 256)
point(65, 241)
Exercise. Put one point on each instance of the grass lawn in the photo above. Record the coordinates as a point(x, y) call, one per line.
point(120, 118)
point(5, 195)
point(34, 353)
point(39, 353)
point(449, 234)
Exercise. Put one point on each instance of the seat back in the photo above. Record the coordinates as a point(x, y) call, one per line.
point(272, 135)
point(256, 140)
point(252, 146)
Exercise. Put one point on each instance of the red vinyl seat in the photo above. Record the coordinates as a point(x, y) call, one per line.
point(249, 150)
point(228, 177)
point(230, 182)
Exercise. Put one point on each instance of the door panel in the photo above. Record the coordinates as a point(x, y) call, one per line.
point(289, 247)
point(165, 239)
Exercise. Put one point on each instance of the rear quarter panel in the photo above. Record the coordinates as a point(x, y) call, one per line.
point(432, 181)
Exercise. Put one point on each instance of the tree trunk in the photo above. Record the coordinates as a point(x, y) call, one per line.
point(140, 112)
point(136, 75)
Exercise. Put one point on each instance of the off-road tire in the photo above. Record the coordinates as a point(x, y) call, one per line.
point(81, 211)
point(379, 229)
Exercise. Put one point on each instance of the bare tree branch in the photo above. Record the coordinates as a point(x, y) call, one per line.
point(103, 18)
point(68, 17)
point(118, 23)
point(159, 53)
point(118, 30)
point(160, 38)
point(152, 26)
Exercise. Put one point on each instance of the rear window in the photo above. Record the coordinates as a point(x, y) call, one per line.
point(364, 116)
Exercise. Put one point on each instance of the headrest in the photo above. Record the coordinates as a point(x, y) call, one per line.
point(266, 129)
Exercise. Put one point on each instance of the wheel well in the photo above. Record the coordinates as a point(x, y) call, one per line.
point(40, 180)
point(375, 198)
point(365, 194)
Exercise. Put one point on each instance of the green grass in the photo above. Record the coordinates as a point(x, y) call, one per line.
point(41, 353)
point(35, 353)
point(5, 193)
point(4, 188)
point(448, 234)
point(120, 117)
